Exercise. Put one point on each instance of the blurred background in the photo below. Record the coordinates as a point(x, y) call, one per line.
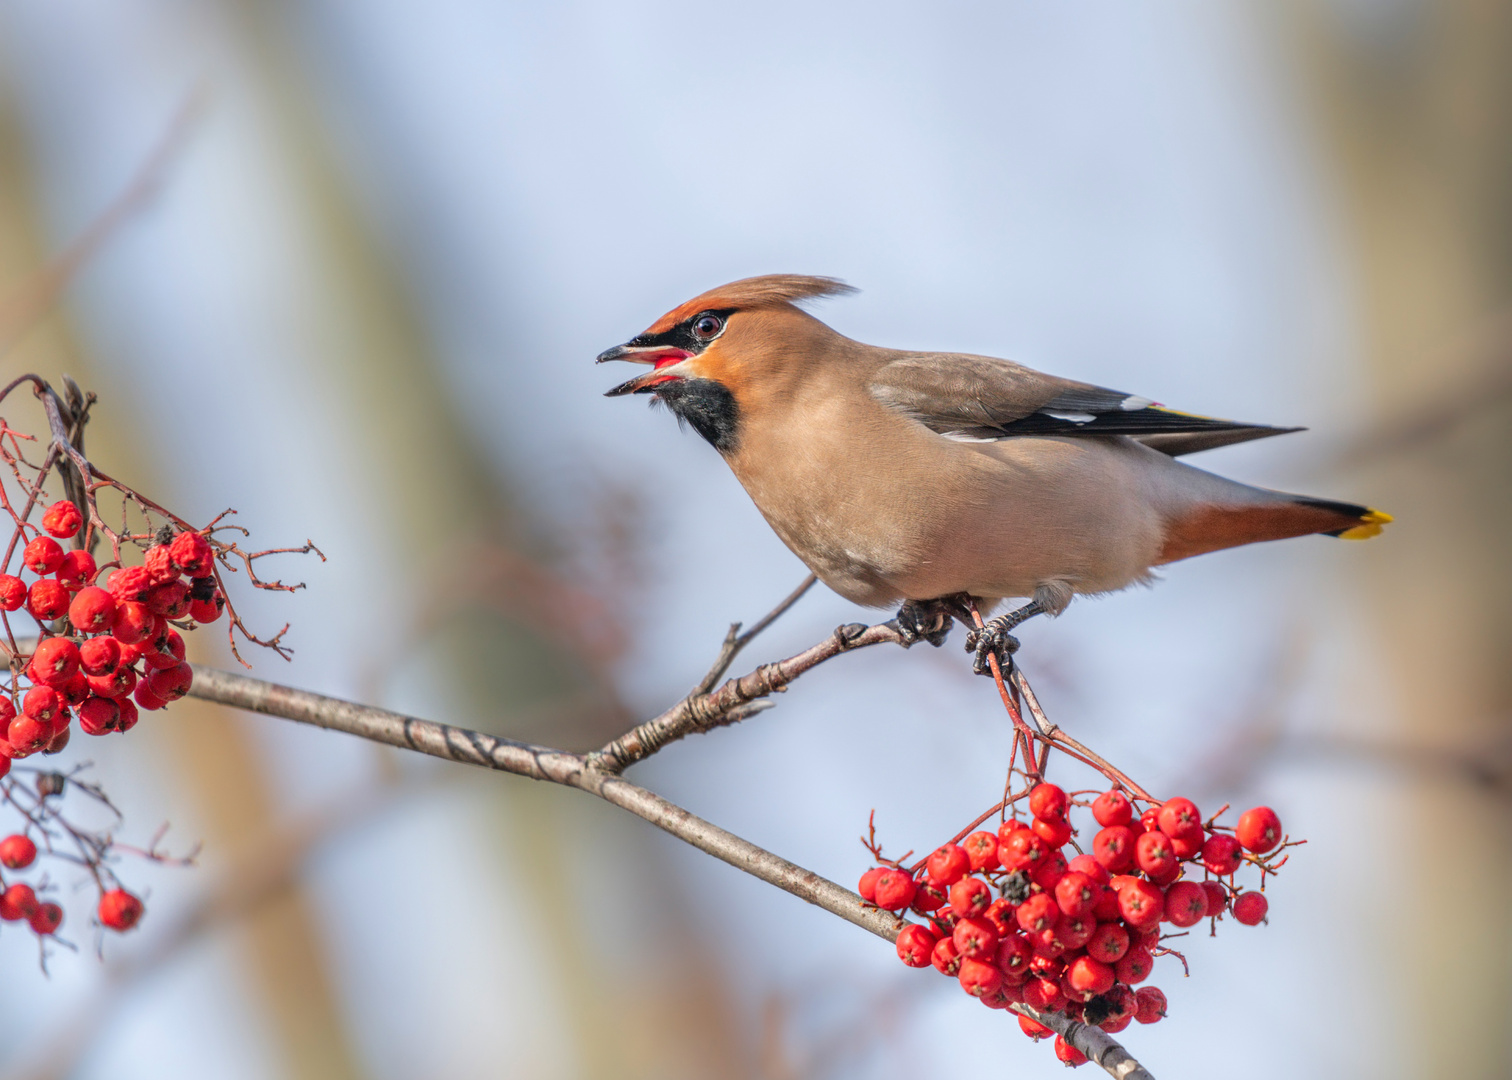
point(362, 307)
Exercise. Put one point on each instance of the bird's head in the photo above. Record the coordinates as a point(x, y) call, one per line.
point(709, 355)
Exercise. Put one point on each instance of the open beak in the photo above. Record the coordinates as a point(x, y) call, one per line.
point(660, 356)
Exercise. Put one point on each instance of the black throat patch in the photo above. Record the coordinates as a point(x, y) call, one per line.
point(707, 406)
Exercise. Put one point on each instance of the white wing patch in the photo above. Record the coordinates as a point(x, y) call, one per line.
point(961, 436)
point(1133, 403)
point(1072, 417)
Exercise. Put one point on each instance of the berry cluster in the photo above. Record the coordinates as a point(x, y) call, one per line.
point(105, 652)
point(117, 910)
point(1015, 922)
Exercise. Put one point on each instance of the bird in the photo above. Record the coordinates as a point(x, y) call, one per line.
point(938, 480)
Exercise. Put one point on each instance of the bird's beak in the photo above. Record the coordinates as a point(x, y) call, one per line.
point(660, 356)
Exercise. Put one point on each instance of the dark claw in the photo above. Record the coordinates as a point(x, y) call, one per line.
point(923, 620)
point(991, 639)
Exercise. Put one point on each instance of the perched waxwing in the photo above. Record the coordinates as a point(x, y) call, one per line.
point(928, 478)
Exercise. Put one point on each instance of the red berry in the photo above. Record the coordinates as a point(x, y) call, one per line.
point(165, 650)
point(1153, 854)
point(159, 565)
point(55, 661)
point(42, 703)
point(1141, 904)
point(982, 850)
point(1113, 1026)
point(170, 600)
point(1180, 817)
point(192, 554)
point(43, 555)
point(1217, 898)
point(1075, 892)
point(1068, 1053)
point(1013, 955)
point(976, 938)
point(128, 715)
point(119, 910)
point(1222, 854)
point(1033, 1028)
point(1048, 803)
point(17, 902)
point(1008, 828)
point(133, 623)
point(146, 699)
point(1135, 965)
point(894, 889)
point(1186, 903)
point(206, 611)
point(978, 977)
point(1112, 808)
point(62, 519)
point(1114, 847)
point(1149, 1005)
point(76, 571)
point(868, 885)
point(75, 691)
point(27, 735)
point(1049, 871)
point(130, 584)
point(47, 600)
point(99, 716)
point(1106, 907)
point(945, 958)
point(1108, 943)
point(100, 655)
point(1259, 829)
point(915, 945)
point(948, 864)
point(927, 897)
point(1043, 995)
point(47, 918)
point(1022, 850)
point(12, 592)
point(1250, 908)
point(92, 610)
point(1149, 821)
point(1089, 977)
point(1054, 833)
point(1074, 931)
point(1039, 912)
point(59, 742)
point(118, 684)
point(1087, 864)
point(970, 896)
point(17, 852)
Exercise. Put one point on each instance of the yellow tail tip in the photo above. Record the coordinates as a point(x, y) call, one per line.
point(1370, 525)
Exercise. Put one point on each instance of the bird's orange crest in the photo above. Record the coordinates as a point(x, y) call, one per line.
point(753, 292)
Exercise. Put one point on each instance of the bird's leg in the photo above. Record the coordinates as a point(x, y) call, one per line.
point(994, 637)
point(927, 620)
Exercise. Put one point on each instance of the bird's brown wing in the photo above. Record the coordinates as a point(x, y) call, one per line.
point(983, 398)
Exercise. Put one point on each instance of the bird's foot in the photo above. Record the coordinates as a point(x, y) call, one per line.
point(992, 638)
point(923, 620)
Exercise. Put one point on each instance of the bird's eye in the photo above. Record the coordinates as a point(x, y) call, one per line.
point(707, 326)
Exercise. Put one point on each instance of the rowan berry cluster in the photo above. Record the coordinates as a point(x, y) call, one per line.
point(109, 639)
point(1016, 922)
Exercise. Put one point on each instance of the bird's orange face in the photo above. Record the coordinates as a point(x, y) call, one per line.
point(686, 373)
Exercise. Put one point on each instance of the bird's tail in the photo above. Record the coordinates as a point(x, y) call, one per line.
point(1355, 522)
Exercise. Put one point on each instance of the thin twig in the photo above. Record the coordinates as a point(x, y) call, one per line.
point(732, 701)
point(735, 641)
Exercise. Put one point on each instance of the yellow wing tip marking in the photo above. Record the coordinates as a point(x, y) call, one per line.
point(1370, 525)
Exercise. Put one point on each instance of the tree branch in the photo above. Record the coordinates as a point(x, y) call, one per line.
point(575, 770)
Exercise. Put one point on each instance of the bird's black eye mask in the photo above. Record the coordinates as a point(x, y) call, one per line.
point(692, 336)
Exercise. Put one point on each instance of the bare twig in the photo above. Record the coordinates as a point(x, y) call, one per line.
point(735, 700)
point(735, 641)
